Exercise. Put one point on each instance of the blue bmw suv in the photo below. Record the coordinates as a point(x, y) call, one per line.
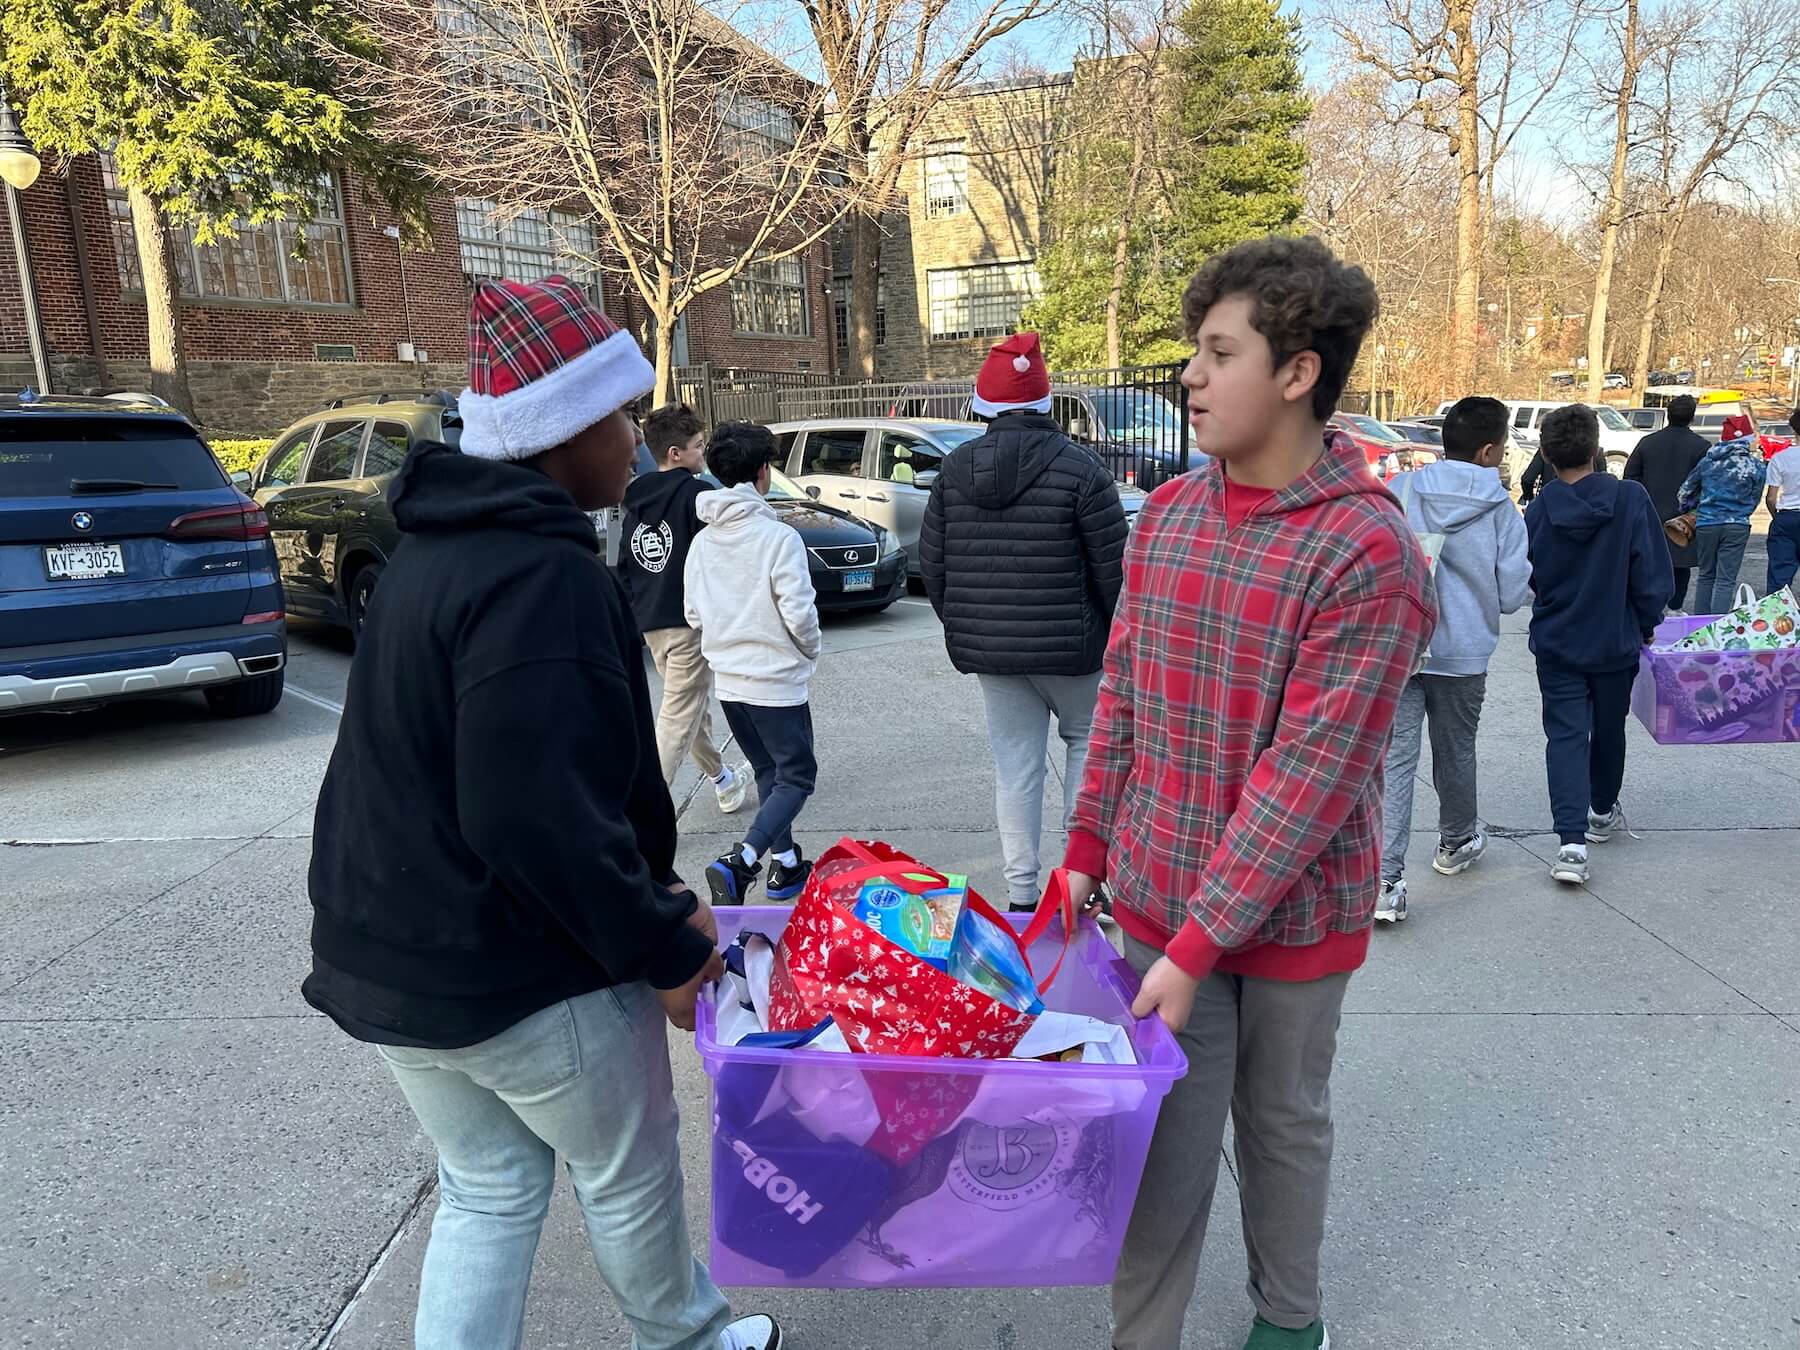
point(129, 564)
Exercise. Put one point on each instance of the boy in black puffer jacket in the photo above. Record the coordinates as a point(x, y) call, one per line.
point(1022, 549)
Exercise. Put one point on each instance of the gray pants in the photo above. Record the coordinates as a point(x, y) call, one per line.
point(1721, 552)
point(1018, 718)
point(1262, 1049)
point(1452, 706)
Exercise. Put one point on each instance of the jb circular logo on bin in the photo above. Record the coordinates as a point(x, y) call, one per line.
point(1010, 1166)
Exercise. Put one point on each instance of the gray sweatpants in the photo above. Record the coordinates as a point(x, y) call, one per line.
point(1452, 706)
point(1261, 1049)
point(1018, 718)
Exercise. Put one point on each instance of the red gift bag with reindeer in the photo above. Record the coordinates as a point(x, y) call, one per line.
point(885, 999)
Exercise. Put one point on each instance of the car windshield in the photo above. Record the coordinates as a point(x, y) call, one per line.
point(1368, 426)
point(951, 437)
point(1137, 415)
point(783, 488)
point(1610, 419)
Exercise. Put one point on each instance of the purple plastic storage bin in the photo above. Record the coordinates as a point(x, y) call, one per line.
point(1028, 1179)
point(1716, 698)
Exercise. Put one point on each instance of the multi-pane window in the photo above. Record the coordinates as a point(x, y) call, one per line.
point(985, 301)
point(946, 180)
point(770, 298)
point(278, 261)
point(528, 246)
point(756, 133)
point(482, 45)
point(840, 302)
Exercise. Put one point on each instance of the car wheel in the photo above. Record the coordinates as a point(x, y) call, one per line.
point(246, 698)
point(362, 591)
point(1615, 465)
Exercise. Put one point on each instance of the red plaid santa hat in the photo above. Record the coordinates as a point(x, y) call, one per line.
point(544, 365)
point(1013, 378)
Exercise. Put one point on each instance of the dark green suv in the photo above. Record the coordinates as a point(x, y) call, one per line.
point(324, 484)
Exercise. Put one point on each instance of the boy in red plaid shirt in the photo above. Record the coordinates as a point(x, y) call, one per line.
point(1275, 603)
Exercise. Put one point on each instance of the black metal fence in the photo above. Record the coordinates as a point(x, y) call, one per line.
point(1134, 418)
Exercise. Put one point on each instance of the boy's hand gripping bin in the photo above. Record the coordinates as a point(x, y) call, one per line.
point(835, 1170)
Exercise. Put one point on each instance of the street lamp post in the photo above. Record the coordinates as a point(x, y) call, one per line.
point(19, 166)
point(1794, 368)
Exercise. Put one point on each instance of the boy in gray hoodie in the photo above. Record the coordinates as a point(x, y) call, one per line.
point(1482, 572)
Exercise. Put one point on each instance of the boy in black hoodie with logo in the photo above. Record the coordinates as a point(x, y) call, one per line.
point(495, 904)
point(1601, 576)
point(659, 529)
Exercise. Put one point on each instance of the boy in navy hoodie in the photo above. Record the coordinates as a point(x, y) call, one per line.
point(1601, 573)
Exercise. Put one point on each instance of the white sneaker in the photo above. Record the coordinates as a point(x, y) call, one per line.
point(734, 789)
point(1601, 828)
point(1571, 865)
point(760, 1332)
point(1452, 861)
point(1391, 908)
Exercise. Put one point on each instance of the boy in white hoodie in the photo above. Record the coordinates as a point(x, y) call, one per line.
point(1482, 573)
point(751, 596)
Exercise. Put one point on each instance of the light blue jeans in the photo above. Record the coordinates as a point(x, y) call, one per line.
point(588, 1078)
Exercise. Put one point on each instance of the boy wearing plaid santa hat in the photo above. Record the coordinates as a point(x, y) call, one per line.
point(495, 905)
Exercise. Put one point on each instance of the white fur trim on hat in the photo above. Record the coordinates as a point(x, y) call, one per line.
point(548, 411)
point(986, 409)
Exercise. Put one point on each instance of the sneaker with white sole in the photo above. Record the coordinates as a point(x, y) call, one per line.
point(1571, 865)
point(1454, 858)
point(733, 790)
point(760, 1332)
point(1601, 828)
point(1391, 908)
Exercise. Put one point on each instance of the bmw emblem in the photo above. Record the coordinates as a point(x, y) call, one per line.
point(81, 520)
point(851, 555)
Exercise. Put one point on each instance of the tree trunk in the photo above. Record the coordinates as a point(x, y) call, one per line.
point(156, 260)
point(1466, 316)
point(1615, 208)
point(865, 290)
point(1121, 265)
point(1665, 254)
point(664, 317)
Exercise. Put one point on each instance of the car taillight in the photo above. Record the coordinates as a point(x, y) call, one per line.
point(243, 523)
point(267, 616)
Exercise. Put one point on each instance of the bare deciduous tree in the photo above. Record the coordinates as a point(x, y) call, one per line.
point(699, 154)
point(1626, 30)
point(888, 64)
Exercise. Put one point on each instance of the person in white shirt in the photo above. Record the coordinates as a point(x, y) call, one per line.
point(749, 592)
point(1784, 506)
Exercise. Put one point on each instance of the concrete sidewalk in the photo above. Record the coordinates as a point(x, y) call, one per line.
point(1565, 1117)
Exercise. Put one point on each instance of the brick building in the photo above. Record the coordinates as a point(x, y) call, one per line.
point(960, 247)
point(269, 336)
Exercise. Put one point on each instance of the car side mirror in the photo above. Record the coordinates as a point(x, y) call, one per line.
point(813, 492)
point(924, 478)
point(240, 479)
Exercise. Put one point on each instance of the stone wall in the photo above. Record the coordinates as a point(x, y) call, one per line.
point(249, 398)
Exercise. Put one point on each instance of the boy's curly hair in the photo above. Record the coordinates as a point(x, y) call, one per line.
point(737, 452)
point(1569, 437)
point(1303, 299)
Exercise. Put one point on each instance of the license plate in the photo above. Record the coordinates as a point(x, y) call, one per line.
point(83, 562)
point(860, 581)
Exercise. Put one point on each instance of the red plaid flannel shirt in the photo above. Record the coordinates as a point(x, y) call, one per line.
point(1233, 787)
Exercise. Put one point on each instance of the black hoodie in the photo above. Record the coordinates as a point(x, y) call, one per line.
point(1022, 550)
point(1600, 572)
point(493, 834)
point(659, 528)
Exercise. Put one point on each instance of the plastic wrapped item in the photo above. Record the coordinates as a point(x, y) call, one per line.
point(990, 1173)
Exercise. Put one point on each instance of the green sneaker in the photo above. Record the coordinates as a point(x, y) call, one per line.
point(1268, 1336)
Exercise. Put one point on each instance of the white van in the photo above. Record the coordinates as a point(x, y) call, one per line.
point(1618, 438)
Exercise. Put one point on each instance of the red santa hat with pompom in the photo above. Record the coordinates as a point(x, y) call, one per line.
point(1014, 378)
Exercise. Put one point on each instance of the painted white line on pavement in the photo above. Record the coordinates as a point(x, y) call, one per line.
point(925, 603)
point(316, 700)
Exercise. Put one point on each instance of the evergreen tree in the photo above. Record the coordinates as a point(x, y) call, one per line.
point(216, 115)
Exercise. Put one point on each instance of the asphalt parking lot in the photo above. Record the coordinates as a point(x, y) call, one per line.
point(1565, 1118)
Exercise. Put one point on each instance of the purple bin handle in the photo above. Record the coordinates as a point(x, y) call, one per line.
point(1123, 980)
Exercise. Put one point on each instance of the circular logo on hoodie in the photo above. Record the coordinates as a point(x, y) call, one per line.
point(653, 546)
